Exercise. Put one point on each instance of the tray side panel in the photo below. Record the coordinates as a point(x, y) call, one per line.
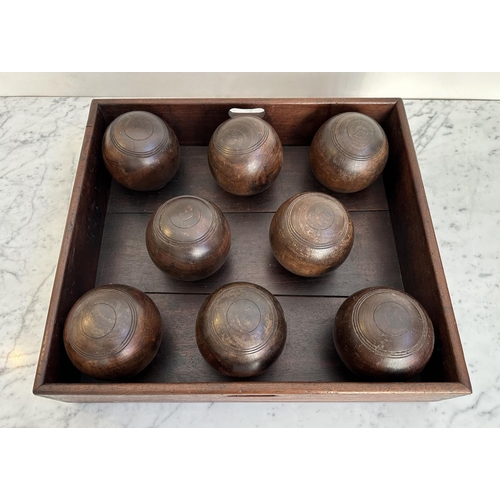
point(250, 391)
point(79, 255)
point(421, 267)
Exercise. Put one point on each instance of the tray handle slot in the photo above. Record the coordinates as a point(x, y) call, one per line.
point(259, 112)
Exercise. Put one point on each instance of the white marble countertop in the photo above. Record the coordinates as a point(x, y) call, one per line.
point(458, 148)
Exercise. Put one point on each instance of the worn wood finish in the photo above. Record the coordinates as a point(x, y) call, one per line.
point(241, 329)
point(194, 178)
point(349, 152)
point(371, 262)
point(383, 334)
point(245, 155)
point(308, 369)
point(188, 238)
point(311, 234)
point(112, 332)
point(140, 151)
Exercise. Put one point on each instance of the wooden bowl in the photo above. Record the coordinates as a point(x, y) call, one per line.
point(140, 151)
point(188, 238)
point(311, 234)
point(245, 155)
point(241, 329)
point(349, 152)
point(383, 334)
point(112, 332)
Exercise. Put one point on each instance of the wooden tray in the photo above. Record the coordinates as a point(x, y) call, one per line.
point(395, 245)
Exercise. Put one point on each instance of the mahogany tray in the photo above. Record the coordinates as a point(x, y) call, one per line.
point(395, 245)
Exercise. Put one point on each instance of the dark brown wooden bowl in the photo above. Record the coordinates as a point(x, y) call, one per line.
point(112, 332)
point(311, 234)
point(245, 155)
point(188, 238)
point(140, 151)
point(383, 334)
point(349, 152)
point(241, 329)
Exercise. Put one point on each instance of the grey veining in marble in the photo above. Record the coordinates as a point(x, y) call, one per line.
point(458, 148)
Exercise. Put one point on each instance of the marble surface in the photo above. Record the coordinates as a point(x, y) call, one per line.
point(458, 148)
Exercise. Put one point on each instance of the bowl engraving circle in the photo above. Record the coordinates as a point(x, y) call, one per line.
point(360, 132)
point(185, 220)
point(107, 321)
point(139, 129)
point(243, 316)
point(392, 318)
point(240, 135)
point(317, 220)
point(139, 134)
point(241, 319)
point(185, 216)
point(389, 323)
point(99, 320)
point(319, 216)
point(356, 137)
